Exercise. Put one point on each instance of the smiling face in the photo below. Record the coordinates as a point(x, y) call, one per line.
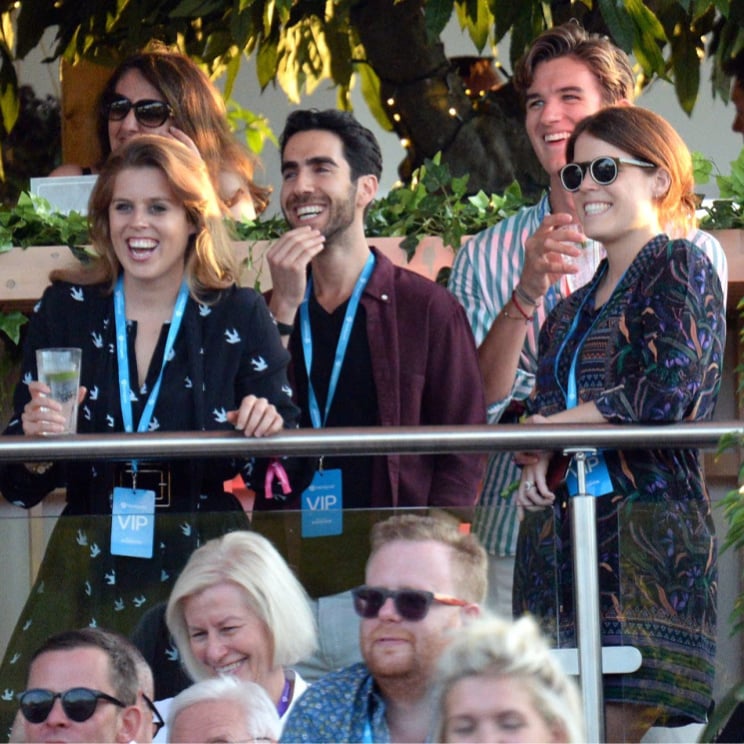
point(227, 636)
point(149, 228)
point(397, 649)
point(624, 210)
point(501, 710)
point(564, 90)
point(134, 86)
point(317, 189)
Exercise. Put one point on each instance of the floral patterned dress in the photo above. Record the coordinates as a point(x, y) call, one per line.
point(224, 351)
point(652, 354)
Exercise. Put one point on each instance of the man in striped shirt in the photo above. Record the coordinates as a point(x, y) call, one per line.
point(509, 277)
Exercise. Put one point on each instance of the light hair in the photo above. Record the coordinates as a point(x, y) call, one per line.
point(121, 662)
point(649, 137)
point(469, 560)
point(607, 62)
point(210, 257)
point(262, 720)
point(496, 647)
point(198, 110)
point(249, 561)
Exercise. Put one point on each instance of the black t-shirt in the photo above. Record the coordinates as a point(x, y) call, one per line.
point(355, 400)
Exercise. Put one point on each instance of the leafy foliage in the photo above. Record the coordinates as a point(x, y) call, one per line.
point(300, 45)
point(34, 222)
point(727, 212)
point(435, 203)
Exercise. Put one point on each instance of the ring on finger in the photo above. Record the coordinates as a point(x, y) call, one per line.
point(528, 485)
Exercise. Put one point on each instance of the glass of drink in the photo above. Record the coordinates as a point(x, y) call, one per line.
point(60, 370)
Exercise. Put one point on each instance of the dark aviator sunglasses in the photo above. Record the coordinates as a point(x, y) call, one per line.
point(78, 703)
point(410, 604)
point(603, 171)
point(147, 112)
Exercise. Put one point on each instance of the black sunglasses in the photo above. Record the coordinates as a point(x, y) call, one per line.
point(148, 113)
point(410, 604)
point(78, 703)
point(157, 719)
point(603, 171)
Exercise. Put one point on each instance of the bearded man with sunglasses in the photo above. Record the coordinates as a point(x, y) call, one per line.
point(424, 579)
point(82, 687)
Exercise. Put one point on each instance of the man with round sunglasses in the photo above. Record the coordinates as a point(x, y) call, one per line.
point(82, 687)
point(425, 578)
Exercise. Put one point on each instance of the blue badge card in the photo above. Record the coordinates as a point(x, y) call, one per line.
point(133, 522)
point(598, 482)
point(322, 505)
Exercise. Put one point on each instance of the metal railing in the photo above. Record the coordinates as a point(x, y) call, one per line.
point(367, 440)
point(578, 440)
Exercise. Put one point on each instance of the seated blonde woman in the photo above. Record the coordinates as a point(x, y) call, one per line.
point(497, 682)
point(238, 610)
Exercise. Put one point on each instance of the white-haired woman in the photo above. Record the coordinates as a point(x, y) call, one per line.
point(497, 682)
point(237, 609)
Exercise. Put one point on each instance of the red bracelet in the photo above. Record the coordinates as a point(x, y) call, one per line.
point(519, 307)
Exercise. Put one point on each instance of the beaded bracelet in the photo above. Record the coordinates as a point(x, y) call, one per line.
point(505, 313)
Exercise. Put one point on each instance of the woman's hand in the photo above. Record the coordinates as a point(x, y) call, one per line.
point(42, 415)
point(184, 139)
point(256, 417)
point(533, 492)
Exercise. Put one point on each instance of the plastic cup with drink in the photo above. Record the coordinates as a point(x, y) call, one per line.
point(60, 370)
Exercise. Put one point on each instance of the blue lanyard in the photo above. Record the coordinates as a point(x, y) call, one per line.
point(571, 393)
point(341, 346)
point(122, 355)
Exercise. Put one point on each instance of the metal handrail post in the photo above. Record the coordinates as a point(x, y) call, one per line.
point(586, 599)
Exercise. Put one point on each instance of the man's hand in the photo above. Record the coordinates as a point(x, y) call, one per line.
point(548, 254)
point(288, 260)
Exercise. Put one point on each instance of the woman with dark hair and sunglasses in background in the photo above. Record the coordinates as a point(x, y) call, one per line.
point(164, 92)
point(237, 609)
point(642, 342)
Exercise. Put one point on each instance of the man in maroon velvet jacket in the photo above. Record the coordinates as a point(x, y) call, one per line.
point(400, 345)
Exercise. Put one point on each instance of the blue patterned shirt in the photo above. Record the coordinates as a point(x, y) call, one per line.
point(484, 273)
point(340, 706)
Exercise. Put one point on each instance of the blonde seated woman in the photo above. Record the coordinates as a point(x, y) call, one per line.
point(238, 610)
point(497, 682)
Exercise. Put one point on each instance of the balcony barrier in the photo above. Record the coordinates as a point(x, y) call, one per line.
point(579, 440)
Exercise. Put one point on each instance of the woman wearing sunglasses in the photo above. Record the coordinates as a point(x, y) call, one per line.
point(237, 609)
point(163, 92)
point(169, 343)
point(642, 342)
